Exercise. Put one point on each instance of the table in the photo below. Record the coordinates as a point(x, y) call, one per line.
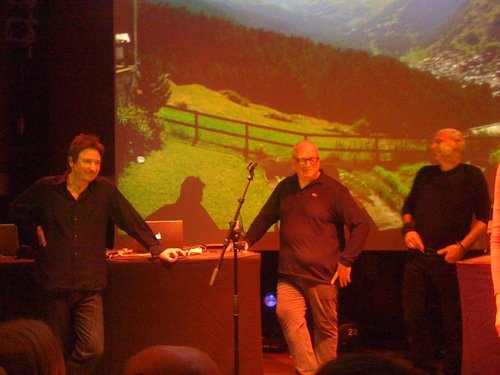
point(148, 302)
point(481, 344)
point(152, 303)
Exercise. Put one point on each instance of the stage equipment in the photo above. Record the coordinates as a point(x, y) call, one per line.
point(232, 238)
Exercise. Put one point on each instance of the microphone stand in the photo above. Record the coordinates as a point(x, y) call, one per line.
point(233, 236)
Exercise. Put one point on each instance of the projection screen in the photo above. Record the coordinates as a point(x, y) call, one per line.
point(203, 88)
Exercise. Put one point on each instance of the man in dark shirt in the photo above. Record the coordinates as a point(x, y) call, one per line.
point(445, 213)
point(71, 214)
point(313, 210)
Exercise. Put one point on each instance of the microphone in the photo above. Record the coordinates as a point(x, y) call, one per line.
point(251, 166)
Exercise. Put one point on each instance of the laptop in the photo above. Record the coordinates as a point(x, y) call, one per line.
point(9, 239)
point(170, 233)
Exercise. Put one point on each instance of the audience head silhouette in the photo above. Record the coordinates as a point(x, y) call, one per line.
point(29, 347)
point(365, 363)
point(171, 360)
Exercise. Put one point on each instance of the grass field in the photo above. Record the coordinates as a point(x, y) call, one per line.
point(157, 181)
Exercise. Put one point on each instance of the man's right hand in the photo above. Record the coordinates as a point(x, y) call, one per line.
point(230, 246)
point(246, 246)
point(413, 241)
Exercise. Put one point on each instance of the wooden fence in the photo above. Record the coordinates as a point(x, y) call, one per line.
point(250, 137)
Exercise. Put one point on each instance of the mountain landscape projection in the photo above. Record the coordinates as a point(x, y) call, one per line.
point(204, 87)
point(452, 38)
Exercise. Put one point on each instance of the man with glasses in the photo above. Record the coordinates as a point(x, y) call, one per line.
point(314, 257)
point(445, 213)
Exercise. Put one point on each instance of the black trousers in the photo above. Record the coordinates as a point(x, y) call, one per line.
point(76, 319)
point(426, 274)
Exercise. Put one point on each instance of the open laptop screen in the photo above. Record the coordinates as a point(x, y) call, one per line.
point(170, 233)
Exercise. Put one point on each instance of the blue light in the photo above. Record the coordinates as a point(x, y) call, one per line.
point(269, 300)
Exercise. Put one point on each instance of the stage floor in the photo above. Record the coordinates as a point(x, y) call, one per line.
point(281, 363)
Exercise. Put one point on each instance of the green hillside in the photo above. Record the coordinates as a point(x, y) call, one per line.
point(223, 170)
point(220, 168)
point(295, 75)
point(199, 98)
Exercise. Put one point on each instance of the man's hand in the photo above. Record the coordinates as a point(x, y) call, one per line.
point(343, 274)
point(245, 245)
point(230, 246)
point(413, 241)
point(452, 253)
point(170, 255)
point(41, 236)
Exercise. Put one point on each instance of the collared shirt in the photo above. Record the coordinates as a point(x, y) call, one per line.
point(443, 203)
point(76, 230)
point(312, 222)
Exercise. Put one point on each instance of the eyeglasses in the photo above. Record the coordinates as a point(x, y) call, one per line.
point(303, 161)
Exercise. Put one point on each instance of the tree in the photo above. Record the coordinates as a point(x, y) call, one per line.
point(153, 89)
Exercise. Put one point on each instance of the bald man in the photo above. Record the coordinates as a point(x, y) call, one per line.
point(314, 258)
point(446, 211)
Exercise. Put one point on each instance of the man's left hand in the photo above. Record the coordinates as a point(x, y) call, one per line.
point(170, 255)
point(343, 274)
point(452, 253)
